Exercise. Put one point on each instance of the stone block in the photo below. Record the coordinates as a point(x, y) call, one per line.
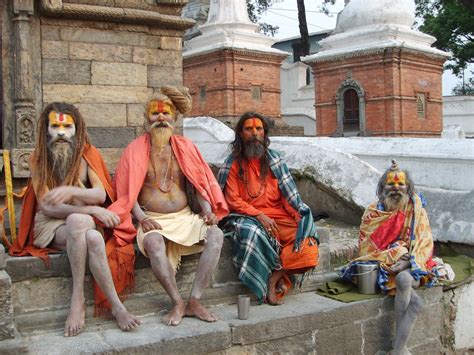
point(111, 137)
point(431, 347)
point(100, 52)
point(111, 157)
point(29, 267)
point(127, 74)
point(173, 43)
point(162, 76)
point(428, 325)
point(344, 339)
point(152, 56)
point(135, 114)
point(44, 294)
point(50, 33)
point(89, 35)
point(299, 344)
point(6, 308)
point(54, 50)
point(104, 115)
point(56, 71)
point(95, 93)
point(378, 334)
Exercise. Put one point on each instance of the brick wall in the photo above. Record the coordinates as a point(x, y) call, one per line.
point(227, 76)
point(391, 81)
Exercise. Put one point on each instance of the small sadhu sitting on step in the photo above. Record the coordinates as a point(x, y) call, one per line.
point(395, 236)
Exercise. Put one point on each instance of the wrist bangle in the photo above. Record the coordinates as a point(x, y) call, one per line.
point(143, 220)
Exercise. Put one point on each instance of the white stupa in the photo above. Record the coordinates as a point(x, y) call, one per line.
point(370, 25)
point(228, 26)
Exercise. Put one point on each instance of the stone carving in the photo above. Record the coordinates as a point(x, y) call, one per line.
point(20, 162)
point(25, 119)
point(58, 8)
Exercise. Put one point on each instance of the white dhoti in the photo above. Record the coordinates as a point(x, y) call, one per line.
point(45, 229)
point(183, 231)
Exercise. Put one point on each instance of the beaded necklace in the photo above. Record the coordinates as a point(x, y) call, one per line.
point(166, 184)
point(261, 187)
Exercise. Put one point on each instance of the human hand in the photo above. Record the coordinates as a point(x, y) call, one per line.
point(148, 224)
point(269, 224)
point(108, 218)
point(58, 195)
point(210, 218)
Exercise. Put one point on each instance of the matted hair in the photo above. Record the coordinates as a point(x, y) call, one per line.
point(237, 146)
point(177, 96)
point(40, 164)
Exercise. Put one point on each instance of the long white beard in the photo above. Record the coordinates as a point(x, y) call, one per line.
point(160, 136)
point(394, 203)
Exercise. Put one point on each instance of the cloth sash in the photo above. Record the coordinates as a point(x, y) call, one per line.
point(128, 181)
point(386, 236)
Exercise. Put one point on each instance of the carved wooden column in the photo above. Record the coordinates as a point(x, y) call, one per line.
point(25, 123)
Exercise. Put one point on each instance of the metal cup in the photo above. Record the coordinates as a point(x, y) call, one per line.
point(243, 306)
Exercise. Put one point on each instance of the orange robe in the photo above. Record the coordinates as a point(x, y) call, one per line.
point(23, 244)
point(270, 201)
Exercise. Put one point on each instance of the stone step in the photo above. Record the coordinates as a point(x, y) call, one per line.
point(306, 323)
point(41, 295)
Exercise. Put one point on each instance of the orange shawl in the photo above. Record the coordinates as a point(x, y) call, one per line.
point(23, 244)
point(128, 181)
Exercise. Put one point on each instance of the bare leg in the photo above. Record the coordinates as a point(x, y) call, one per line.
point(71, 238)
point(407, 307)
point(272, 282)
point(100, 270)
point(206, 266)
point(156, 250)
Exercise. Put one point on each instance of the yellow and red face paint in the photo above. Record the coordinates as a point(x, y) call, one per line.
point(397, 178)
point(160, 107)
point(254, 126)
point(60, 120)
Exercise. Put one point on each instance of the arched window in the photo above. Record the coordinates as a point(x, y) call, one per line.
point(351, 120)
point(350, 103)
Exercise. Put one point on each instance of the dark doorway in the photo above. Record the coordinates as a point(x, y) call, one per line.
point(351, 122)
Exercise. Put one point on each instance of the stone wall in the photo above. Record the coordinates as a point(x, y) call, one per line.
point(459, 111)
point(106, 57)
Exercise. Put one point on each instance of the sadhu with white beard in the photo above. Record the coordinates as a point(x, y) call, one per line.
point(395, 233)
point(157, 178)
point(61, 209)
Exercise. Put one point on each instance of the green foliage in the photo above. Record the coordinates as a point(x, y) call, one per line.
point(255, 9)
point(452, 23)
point(465, 88)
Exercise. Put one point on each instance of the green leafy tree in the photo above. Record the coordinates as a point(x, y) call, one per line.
point(255, 9)
point(451, 22)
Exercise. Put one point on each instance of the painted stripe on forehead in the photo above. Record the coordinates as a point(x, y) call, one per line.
point(60, 118)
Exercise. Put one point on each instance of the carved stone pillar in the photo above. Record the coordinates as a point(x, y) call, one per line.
point(23, 104)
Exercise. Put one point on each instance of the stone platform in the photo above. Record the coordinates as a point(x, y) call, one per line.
point(40, 295)
point(305, 324)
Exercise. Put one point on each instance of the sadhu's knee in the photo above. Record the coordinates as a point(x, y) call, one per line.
point(153, 243)
point(404, 281)
point(79, 221)
point(215, 237)
point(95, 241)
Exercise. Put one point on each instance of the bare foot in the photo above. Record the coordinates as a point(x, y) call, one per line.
point(175, 315)
point(125, 320)
point(281, 287)
point(194, 308)
point(272, 282)
point(75, 319)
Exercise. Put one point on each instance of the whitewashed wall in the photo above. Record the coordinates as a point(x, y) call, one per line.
point(441, 168)
point(459, 111)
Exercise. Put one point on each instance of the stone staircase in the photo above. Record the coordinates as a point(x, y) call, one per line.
point(307, 323)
